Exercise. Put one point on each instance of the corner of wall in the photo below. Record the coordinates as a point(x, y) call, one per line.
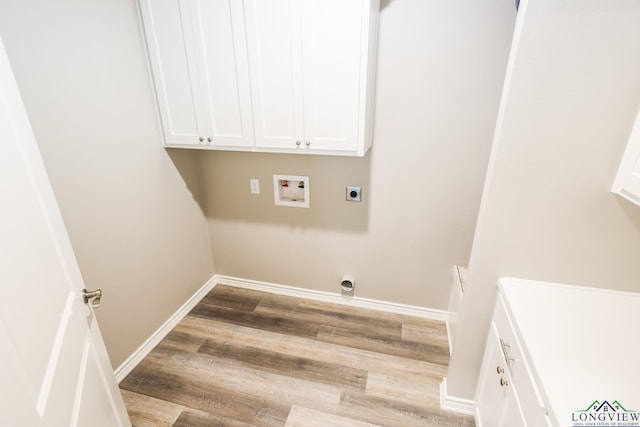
point(455, 404)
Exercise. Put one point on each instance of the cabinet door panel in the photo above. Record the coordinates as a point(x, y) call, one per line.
point(627, 182)
point(172, 56)
point(224, 72)
point(528, 394)
point(332, 42)
point(512, 413)
point(490, 396)
point(273, 41)
point(497, 404)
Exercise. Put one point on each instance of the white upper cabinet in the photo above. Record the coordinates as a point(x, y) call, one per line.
point(627, 182)
point(198, 56)
point(293, 76)
point(312, 68)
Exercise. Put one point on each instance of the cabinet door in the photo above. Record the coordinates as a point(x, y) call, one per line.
point(496, 400)
point(172, 52)
point(512, 415)
point(627, 182)
point(333, 47)
point(224, 72)
point(529, 396)
point(198, 55)
point(274, 45)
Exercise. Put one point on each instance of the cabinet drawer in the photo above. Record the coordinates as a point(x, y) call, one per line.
point(531, 402)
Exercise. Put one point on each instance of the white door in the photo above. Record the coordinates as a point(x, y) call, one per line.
point(54, 369)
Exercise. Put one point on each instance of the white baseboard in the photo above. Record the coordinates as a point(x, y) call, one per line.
point(389, 307)
point(132, 361)
point(141, 352)
point(455, 404)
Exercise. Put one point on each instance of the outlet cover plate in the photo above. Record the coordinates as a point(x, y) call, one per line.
point(354, 194)
point(254, 184)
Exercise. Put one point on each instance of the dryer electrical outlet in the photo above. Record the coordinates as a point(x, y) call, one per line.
point(353, 194)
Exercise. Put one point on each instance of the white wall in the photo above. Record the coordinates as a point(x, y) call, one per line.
point(440, 70)
point(573, 90)
point(130, 208)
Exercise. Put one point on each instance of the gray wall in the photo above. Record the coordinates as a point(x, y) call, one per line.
point(572, 94)
point(440, 72)
point(130, 207)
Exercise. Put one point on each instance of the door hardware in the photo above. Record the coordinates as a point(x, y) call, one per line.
point(93, 296)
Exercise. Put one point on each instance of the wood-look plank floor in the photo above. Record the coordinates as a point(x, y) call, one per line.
point(248, 358)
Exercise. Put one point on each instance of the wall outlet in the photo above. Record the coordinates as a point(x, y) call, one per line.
point(255, 186)
point(353, 194)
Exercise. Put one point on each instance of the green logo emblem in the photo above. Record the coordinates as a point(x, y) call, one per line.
point(605, 414)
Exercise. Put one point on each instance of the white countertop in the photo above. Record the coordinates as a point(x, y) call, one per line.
point(583, 343)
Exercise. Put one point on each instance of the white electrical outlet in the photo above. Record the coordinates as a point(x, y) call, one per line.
point(255, 186)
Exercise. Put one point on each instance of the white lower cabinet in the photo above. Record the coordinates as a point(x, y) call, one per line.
point(507, 394)
point(496, 401)
point(565, 347)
